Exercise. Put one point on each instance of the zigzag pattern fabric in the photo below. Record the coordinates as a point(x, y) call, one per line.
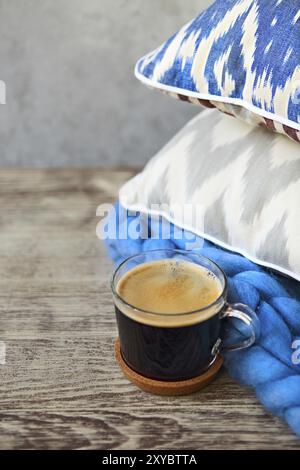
point(267, 366)
point(242, 182)
point(237, 52)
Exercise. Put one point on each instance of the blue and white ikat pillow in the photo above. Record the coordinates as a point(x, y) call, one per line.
point(241, 56)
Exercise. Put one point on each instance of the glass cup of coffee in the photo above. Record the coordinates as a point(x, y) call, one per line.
point(172, 314)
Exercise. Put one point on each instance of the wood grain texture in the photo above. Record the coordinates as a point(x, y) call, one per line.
point(60, 386)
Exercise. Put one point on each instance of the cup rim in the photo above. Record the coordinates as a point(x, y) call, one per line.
point(149, 312)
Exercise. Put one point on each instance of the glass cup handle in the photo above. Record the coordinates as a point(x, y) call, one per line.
point(249, 318)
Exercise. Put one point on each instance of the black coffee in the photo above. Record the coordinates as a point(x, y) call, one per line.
point(168, 344)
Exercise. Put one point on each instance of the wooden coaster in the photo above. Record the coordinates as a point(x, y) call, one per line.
point(158, 387)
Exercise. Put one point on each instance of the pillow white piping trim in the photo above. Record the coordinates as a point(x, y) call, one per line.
point(144, 209)
point(223, 99)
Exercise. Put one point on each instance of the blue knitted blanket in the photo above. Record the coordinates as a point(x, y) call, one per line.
point(272, 365)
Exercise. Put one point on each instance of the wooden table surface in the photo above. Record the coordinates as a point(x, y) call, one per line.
point(60, 387)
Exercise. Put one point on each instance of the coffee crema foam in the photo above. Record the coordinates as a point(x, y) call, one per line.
point(168, 288)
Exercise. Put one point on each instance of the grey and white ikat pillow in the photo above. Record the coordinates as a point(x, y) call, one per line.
point(243, 180)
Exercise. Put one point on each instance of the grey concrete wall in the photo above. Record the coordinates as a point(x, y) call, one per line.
point(72, 98)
